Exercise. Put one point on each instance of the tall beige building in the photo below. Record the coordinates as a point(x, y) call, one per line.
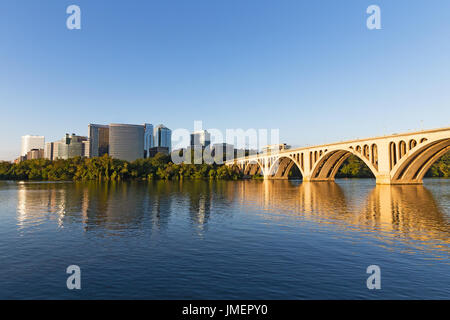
point(49, 150)
point(35, 154)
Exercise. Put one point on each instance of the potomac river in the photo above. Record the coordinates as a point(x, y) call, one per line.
point(224, 239)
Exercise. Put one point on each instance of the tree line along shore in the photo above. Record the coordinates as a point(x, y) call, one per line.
point(160, 167)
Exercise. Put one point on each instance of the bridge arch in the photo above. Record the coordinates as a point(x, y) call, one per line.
point(374, 155)
point(413, 166)
point(412, 143)
point(328, 165)
point(282, 166)
point(252, 167)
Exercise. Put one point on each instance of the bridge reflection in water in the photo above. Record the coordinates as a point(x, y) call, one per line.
point(399, 212)
point(404, 212)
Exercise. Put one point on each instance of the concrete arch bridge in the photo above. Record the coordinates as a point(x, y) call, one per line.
point(395, 159)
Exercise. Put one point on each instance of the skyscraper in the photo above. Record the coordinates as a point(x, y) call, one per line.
point(31, 142)
point(48, 150)
point(69, 147)
point(98, 140)
point(126, 141)
point(55, 153)
point(200, 139)
point(148, 139)
point(163, 137)
point(222, 152)
point(86, 149)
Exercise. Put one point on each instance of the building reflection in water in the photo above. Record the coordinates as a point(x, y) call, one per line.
point(200, 202)
point(97, 206)
point(206, 198)
point(37, 199)
point(408, 213)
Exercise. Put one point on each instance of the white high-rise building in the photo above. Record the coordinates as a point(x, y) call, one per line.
point(163, 137)
point(31, 142)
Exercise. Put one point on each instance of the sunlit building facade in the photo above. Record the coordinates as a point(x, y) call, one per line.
point(69, 147)
point(35, 154)
point(48, 150)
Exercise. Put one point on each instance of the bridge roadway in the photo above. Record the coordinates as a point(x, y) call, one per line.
point(394, 159)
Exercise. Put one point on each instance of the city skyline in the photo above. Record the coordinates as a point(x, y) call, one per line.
point(118, 140)
point(313, 71)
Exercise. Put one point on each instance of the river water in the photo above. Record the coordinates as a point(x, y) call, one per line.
point(225, 240)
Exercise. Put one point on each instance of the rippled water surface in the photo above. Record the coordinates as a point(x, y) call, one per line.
point(225, 240)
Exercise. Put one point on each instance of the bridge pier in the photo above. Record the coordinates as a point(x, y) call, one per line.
point(384, 179)
point(389, 181)
point(379, 180)
point(267, 177)
point(309, 179)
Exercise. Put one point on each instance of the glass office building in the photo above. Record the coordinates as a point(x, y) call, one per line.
point(163, 137)
point(126, 141)
point(98, 140)
point(148, 139)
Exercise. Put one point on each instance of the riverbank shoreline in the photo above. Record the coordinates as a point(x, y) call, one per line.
point(161, 167)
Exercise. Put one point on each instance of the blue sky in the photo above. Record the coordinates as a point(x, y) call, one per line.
point(310, 68)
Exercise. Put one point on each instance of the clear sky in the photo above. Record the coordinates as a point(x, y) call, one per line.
point(310, 68)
